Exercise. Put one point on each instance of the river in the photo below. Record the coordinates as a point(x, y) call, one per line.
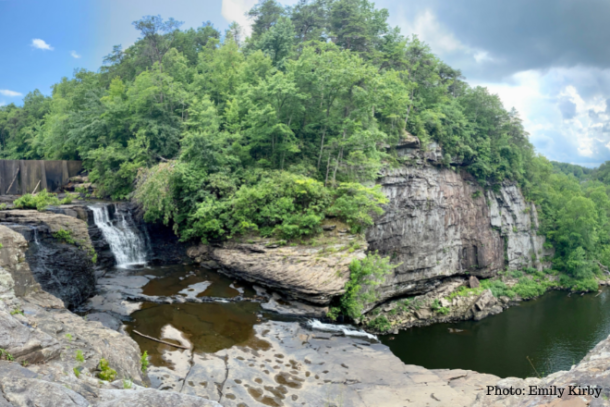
point(555, 331)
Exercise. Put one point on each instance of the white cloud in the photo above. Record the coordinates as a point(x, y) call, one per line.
point(482, 56)
point(9, 93)
point(430, 30)
point(75, 54)
point(440, 39)
point(580, 137)
point(235, 11)
point(41, 44)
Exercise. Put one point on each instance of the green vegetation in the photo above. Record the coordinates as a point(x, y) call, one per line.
point(79, 356)
point(106, 372)
point(380, 324)
point(69, 337)
point(39, 201)
point(498, 288)
point(127, 384)
point(222, 136)
point(144, 361)
point(7, 356)
point(574, 214)
point(68, 198)
point(218, 136)
point(365, 275)
point(436, 306)
point(64, 236)
point(76, 371)
point(17, 311)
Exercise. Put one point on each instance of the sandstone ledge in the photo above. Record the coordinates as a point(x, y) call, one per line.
point(313, 273)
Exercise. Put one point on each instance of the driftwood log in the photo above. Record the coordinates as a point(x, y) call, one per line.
point(159, 340)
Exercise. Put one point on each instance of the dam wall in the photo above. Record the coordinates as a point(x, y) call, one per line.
point(18, 177)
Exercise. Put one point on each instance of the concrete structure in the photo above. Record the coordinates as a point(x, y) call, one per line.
point(18, 177)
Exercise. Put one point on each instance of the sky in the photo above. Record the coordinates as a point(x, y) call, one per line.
point(547, 58)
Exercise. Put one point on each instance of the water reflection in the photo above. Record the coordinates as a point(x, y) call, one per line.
point(555, 331)
point(207, 327)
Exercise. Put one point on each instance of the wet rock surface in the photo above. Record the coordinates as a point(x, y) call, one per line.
point(53, 344)
point(122, 292)
point(288, 365)
point(63, 269)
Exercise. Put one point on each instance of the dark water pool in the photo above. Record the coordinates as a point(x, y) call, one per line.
point(554, 331)
point(202, 327)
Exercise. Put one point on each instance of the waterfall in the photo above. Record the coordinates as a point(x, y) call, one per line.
point(126, 244)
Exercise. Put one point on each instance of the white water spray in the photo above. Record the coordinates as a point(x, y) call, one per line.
point(346, 330)
point(128, 246)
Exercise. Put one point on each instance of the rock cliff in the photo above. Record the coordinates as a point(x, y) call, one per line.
point(441, 223)
point(64, 269)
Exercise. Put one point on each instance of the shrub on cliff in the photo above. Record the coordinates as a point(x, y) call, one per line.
point(360, 290)
point(38, 201)
point(277, 203)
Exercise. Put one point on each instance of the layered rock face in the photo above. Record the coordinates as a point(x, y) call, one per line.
point(62, 269)
point(440, 223)
point(12, 260)
point(517, 222)
point(315, 273)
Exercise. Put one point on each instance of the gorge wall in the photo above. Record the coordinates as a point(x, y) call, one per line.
point(440, 223)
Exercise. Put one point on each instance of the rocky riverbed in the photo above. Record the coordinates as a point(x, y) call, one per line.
point(44, 346)
point(276, 363)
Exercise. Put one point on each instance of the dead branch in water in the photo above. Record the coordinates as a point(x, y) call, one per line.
point(159, 340)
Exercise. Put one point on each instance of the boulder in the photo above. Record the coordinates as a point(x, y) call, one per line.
point(23, 342)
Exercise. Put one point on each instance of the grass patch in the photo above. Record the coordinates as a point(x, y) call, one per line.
point(144, 361)
point(79, 356)
point(64, 236)
point(436, 306)
point(106, 372)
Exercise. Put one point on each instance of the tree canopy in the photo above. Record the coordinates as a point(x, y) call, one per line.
point(218, 135)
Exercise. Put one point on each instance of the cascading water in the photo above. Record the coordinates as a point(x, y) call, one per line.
point(127, 245)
